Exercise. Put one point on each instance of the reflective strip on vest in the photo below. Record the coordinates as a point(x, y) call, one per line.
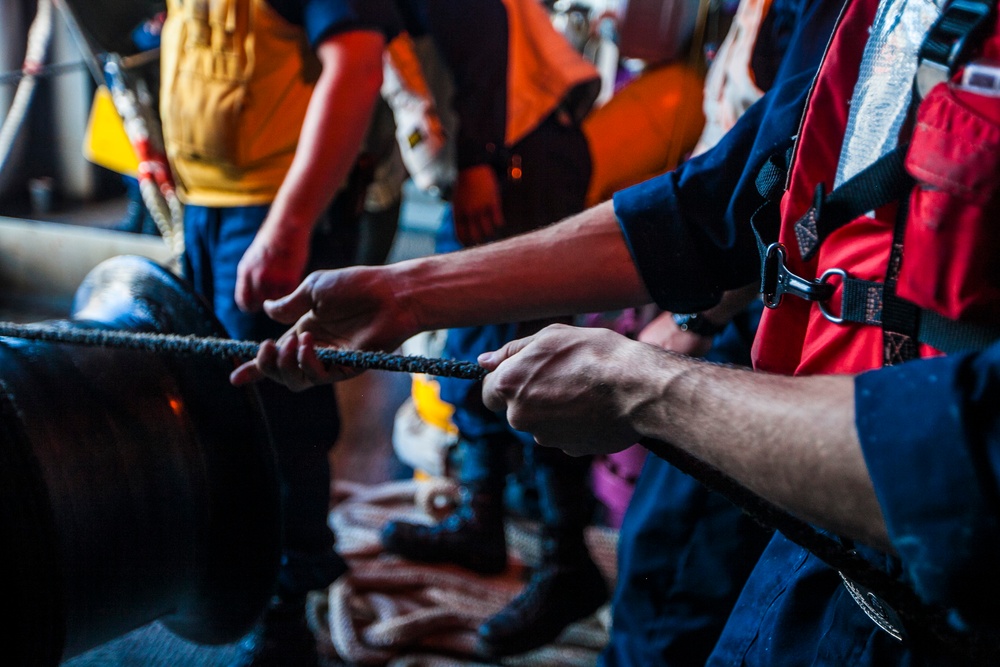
point(796, 338)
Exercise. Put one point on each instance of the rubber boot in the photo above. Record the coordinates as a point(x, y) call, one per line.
point(472, 537)
point(281, 639)
point(567, 586)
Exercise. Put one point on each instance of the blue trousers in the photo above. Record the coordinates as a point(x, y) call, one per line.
point(549, 183)
point(303, 426)
point(684, 554)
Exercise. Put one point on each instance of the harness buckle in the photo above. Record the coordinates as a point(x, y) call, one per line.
point(823, 307)
point(929, 74)
point(777, 280)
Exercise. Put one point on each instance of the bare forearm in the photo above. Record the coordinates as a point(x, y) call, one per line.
point(578, 265)
point(333, 129)
point(791, 440)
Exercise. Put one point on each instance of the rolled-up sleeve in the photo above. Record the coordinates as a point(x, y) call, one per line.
point(322, 19)
point(689, 230)
point(930, 433)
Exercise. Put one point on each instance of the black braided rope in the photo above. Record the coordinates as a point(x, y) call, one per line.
point(226, 349)
point(916, 615)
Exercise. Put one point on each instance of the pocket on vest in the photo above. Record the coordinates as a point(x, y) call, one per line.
point(207, 106)
point(952, 237)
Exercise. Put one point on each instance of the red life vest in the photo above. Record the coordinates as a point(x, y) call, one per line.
point(795, 338)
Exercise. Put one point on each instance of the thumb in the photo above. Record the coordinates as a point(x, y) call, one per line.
point(490, 360)
point(288, 309)
point(244, 292)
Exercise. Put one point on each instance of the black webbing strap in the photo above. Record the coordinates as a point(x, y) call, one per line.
point(956, 32)
point(862, 303)
point(882, 182)
point(950, 336)
point(900, 318)
point(766, 219)
point(771, 178)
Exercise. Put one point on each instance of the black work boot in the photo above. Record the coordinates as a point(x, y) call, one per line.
point(472, 537)
point(281, 639)
point(567, 587)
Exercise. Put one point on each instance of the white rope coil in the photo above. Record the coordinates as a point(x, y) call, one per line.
point(389, 611)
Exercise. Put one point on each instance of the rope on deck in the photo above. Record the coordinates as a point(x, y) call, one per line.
point(390, 611)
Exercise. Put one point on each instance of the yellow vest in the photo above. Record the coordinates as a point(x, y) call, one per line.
point(236, 81)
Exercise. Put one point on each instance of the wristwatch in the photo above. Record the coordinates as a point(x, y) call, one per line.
point(697, 324)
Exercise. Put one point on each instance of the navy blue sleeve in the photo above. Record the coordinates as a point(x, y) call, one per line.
point(688, 230)
point(472, 37)
point(930, 433)
point(322, 19)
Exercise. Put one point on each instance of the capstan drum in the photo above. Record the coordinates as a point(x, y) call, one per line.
point(135, 486)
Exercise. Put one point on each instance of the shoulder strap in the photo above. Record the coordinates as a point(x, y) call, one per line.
point(882, 182)
point(949, 43)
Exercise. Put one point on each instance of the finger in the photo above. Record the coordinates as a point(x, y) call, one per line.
point(246, 373)
point(291, 372)
point(267, 360)
point(288, 353)
point(313, 369)
point(461, 234)
point(483, 227)
point(243, 292)
point(322, 372)
point(490, 360)
point(493, 398)
point(288, 309)
point(493, 221)
point(465, 230)
point(258, 368)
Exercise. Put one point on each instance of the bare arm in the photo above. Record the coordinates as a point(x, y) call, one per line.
point(791, 440)
point(332, 131)
point(579, 265)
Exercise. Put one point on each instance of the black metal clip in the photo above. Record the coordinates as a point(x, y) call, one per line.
point(949, 42)
point(777, 280)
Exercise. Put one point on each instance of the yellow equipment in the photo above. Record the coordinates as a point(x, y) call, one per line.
point(105, 142)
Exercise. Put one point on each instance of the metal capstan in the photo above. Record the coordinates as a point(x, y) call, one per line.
point(135, 487)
